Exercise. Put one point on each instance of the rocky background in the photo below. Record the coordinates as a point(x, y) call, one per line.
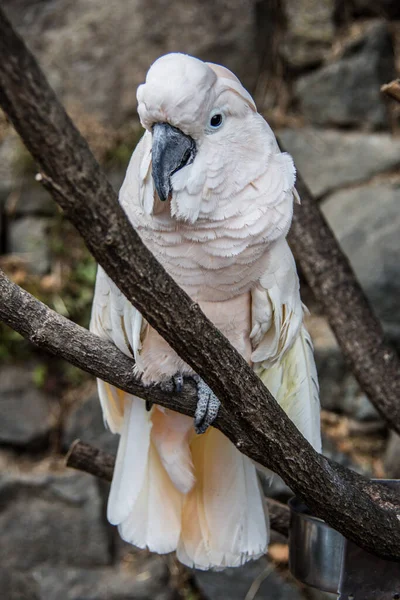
point(315, 68)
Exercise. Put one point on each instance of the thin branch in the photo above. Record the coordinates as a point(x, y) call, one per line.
point(87, 458)
point(279, 516)
point(365, 512)
point(392, 89)
point(52, 332)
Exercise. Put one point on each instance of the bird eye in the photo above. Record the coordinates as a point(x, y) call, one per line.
point(216, 121)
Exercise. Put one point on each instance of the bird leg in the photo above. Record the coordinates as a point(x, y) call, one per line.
point(207, 402)
point(207, 406)
point(173, 384)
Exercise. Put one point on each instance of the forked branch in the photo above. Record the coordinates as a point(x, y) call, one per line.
point(364, 512)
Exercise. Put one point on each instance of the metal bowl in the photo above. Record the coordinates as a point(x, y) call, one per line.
point(322, 558)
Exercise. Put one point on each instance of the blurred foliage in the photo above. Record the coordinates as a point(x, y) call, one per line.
point(71, 284)
point(11, 343)
point(112, 147)
point(39, 375)
point(67, 289)
point(119, 154)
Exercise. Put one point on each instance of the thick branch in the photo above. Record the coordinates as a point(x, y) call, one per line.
point(100, 464)
point(58, 335)
point(375, 364)
point(250, 417)
point(72, 175)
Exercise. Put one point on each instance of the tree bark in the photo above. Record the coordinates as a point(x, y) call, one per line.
point(364, 512)
point(52, 332)
point(62, 337)
point(374, 363)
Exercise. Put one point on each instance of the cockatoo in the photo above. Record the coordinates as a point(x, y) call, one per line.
point(211, 195)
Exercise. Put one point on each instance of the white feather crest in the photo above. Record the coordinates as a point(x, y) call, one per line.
point(228, 81)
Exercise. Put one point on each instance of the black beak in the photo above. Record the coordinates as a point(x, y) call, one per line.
point(171, 151)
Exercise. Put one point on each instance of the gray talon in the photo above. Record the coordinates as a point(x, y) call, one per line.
point(178, 382)
point(167, 385)
point(207, 406)
point(174, 384)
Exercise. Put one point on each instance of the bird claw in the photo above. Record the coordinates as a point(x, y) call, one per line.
point(207, 406)
point(174, 384)
point(178, 382)
point(207, 402)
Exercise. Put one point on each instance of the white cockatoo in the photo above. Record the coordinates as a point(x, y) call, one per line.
point(211, 195)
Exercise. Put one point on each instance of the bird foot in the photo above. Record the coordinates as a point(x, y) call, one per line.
point(207, 406)
point(174, 384)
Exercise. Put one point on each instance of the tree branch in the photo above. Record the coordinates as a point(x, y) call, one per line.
point(52, 332)
point(364, 512)
point(392, 89)
point(375, 364)
point(87, 458)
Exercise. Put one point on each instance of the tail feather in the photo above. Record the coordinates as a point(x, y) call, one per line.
point(154, 521)
point(173, 490)
point(112, 405)
point(224, 523)
point(171, 433)
point(131, 464)
point(241, 521)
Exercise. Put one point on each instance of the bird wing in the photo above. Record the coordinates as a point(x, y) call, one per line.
point(115, 319)
point(113, 316)
point(282, 348)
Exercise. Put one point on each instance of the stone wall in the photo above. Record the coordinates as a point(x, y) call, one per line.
point(315, 68)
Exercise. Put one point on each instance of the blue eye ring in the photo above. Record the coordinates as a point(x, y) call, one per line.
point(216, 121)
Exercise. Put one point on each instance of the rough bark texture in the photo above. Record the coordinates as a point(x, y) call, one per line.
point(249, 416)
point(374, 363)
point(58, 335)
point(87, 458)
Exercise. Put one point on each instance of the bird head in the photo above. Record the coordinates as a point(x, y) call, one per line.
point(208, 141)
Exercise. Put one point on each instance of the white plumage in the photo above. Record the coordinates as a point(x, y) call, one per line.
point(221, 236)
